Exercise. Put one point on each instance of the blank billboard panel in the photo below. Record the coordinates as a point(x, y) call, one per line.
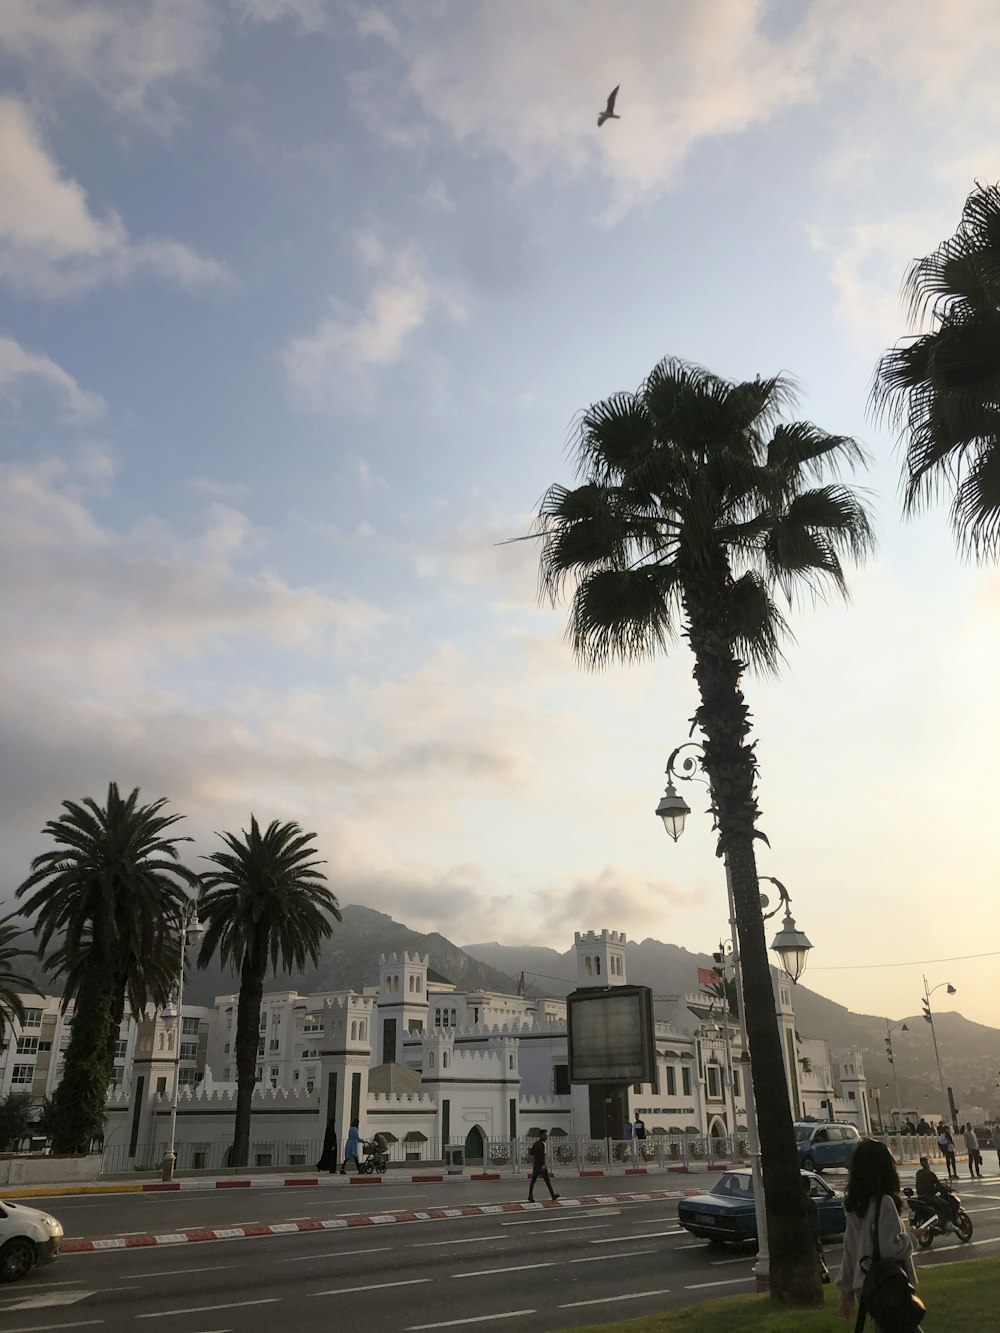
point(611, 1035)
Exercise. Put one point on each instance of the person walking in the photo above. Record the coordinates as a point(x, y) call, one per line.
point(638, 1129)
point(538, 1165)
point(328, 1157)
point(872, 1182)
point(947, 1145)
point(972, 1148)
point(352, 1146)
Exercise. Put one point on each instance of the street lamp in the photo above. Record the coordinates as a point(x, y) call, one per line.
point(929, 1018)
point(877, 1094)
point(790, 944)
point(890, 1028)
point(189, 932)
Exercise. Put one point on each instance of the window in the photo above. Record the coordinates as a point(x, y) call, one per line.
point(475, 1013)
point(454, 1018)
point(187, 1078)
point(226, 1074)
point(189, 1050)
point(713, 1077)
point(117, 1076)
point(686, 1080)
point(736, 1082)
point(275, 1018)
point(121, 1049)
point(258, 1074)
point(295, 1076)
point(414, 1025)
point(597, 967)
point(560, 1074)
point(225, 1049)
point(437, 1018)
point(32, 1018)
point(275, 1045)
point(189, 1027)
point(588, 967)
point(420, 985)
point(27, 1045)
point(313, 1023)
point(275, 1072)
point(260, 1046)
point(21, 1075)
point(444, 1059)
point(354, 1031)
point(671, 1081)
point(263, 1022)
point(361, 1030)
point(510, 1062)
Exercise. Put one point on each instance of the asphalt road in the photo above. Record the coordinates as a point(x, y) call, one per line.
point(554, 1268)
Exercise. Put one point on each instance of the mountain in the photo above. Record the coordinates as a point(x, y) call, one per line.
point(350, 961)
point(970, 1052)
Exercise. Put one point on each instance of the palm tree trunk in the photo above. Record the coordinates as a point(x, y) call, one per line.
point(247, 1039)
point(80, 1098)
point(731, 767)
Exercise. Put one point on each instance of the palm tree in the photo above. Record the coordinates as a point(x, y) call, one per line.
point(696, 503)
point(107, 901)
point(266, 903)
point(11, 1008)
point(942, 388)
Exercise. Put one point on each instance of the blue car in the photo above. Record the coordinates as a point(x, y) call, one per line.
point(822, 1143)
point(726, 1212)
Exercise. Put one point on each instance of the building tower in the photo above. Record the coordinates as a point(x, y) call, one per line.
point(600, 959)
point(402, 1003)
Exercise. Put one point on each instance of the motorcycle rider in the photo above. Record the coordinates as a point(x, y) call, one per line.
point(934, 1194)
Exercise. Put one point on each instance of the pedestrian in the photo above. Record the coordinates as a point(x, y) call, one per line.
point(947, 1145)
point(813, 1208)
point(352, 1147)
point(328, 1157)
point(972, 1148)
point(872, 1181)
point(638, 1129)
point(627, 1130)
point(539, 1167)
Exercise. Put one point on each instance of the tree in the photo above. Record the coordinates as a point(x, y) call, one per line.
point(15, 1118)
point(265, 903)
point(942, 387)
point(696, 503)
point(11, 1008)
point(107, 901)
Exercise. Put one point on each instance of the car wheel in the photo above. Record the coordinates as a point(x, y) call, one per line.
point(809, 1164)
point(17, 1258)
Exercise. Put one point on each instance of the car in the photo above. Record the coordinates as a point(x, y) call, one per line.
point(821, 1143)
point(987, 1137)
point(726, 1213)
point(27, 1237)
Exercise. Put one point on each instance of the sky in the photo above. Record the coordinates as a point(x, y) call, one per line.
point(299, 302)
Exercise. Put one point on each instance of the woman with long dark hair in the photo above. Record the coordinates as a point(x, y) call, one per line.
point(873, 1181)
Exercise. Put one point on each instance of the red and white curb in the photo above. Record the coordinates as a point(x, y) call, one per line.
point(359, 1220)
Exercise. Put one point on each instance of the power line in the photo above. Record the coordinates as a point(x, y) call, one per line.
point(916, 962)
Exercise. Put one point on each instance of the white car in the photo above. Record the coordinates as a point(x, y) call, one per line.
point(27, 1237)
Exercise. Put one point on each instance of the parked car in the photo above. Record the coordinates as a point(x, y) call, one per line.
point(726, 1212)
point(821, 1143)
point(27, 1237)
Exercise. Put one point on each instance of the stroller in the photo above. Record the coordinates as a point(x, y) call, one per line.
point(376, 1158)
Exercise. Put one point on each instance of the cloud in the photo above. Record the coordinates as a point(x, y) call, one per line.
point(52, 244)
point(17, 365)
point(125, 51)
point(311, 14)
point(347, 350)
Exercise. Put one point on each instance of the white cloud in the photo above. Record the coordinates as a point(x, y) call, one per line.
point(52, 244)
point(349, 348)
point(125, 51)
point(311, 14)
point(18, 364)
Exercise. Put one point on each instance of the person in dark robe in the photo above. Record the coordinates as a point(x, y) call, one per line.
point(328, 1158)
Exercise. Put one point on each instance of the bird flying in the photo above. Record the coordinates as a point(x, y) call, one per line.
point(609, 111)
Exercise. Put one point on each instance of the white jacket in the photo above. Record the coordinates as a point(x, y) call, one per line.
point(859, 1243)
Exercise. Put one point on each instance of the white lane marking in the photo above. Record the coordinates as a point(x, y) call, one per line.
point(729, 1282)
point(333, 1254)
point(604, 1258)
point(43, 1300)
point(495, 1272)
point(466, 1240)
point(623, 1296)
point(41, 1328)
point(183, 1272)
point(743, 1259)
point(374, 1286)
point(627, 1240)
point(969, 1244)
point(551, 1231)
point(475, 1319)
point(200, 1309)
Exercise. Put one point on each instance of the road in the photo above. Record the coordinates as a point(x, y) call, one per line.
point(549, 1269)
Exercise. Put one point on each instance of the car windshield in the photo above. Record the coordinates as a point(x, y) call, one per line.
point(803, 1131)
point(734, 1183)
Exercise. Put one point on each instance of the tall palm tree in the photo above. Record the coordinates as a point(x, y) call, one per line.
point(11, 1008)
point(697, 503)
point(265, 903)
point(107, 900)
point(942, 387)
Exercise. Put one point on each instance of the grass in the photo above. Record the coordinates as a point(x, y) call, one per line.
point(958, 1296)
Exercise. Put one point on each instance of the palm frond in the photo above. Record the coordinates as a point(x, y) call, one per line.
point(624, 615)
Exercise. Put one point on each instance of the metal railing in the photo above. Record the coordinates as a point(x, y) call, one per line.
point(657, 1150)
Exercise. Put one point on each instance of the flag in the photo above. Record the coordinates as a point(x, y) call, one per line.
point(708, 976)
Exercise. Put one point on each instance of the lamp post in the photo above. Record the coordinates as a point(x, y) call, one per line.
point(189, 932)
point(890, 1028)
point(929, 1018)
point(674, 810)
point(877, 1094)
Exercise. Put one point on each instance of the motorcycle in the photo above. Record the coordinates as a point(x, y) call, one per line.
point(938, 1217)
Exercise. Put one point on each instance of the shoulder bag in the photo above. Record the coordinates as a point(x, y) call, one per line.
point(887, 1293)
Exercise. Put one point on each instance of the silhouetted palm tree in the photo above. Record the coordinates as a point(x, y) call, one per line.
point(265, 903)
point(107, 902)
point(11, 1008)
point(942, 388)
point(696, 504)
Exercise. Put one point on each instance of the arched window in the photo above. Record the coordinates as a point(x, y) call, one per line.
point(587, 967)
point(430, 1062)
point(395, 983)
point(361, 1030)
point(410, 984)
point(510, 1065)
point(420, 985)
point(388, 985)
point(163, 1042)
point(444, 1059)
point(354, 1031)
point(454, 1018)
point(437, 1018)
point(597, 967)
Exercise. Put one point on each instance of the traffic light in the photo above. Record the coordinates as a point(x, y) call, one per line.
point(888, 1050)
point(927, 1010)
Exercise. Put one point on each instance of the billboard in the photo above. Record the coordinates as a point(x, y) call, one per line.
point(610, 1035)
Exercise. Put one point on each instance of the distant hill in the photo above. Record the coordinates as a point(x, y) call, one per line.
point(970, 1051)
